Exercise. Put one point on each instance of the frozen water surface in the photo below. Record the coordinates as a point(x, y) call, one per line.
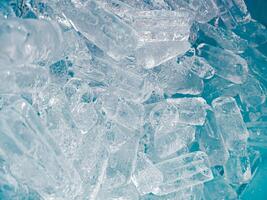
point(131, 100)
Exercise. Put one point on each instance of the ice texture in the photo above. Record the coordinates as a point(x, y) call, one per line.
point(130, 99)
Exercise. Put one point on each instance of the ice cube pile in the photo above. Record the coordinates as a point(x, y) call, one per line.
point(130, 99)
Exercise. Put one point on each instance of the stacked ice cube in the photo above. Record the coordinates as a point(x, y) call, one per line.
point(130, 99)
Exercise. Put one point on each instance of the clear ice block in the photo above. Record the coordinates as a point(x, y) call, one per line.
point(184, 171)
point(219, 188)
point(230, 123)
point(27, 41)
point(121, 164)
point(231, 67)
point(165, 116)
point(161, 25)
point(153, 54)
point(167, 143)
point(146, 176)
point(237, 169)
point(211, 141)
point(223, 37)
point(123, 112)
point(127, 192)
point(32, 155)
point(103, 28)
point(175, 77)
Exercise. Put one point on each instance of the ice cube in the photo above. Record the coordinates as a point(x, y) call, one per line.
point(177, 78)
point(230, 123)
point(184, 171)
point(167, 143)
point(146, 176)
point(211, 141)
point(105, 29)
point(165, 116)
point(231, 67)
point(26, 41)
point(121, 164)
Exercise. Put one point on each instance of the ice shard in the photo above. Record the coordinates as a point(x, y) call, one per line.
point(211, 141)
point(22, 43)
point(31, 152)
point(131, 100)
point(121, 164)
point(161, 25)
point(146, 176)
point(123, 112)
point(127, 192)
point(257, 133)
point(232, 12)
point(221, 189)
point(167, 115)
point(237, 169)
point(175, 78)
point(231, 67)
point(223, 37)
point(167, 143)
point(103, 28)
point(184, 171)
point(230, 123)
point(204, 10)
point(153, 54)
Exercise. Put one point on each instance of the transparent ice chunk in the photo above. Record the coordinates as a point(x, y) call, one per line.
point(117, 135)
point(217, 87)
point(176, 78)
point(161, 25)
point(26, 41)
point(232, 12)
point(251, 92)
point(152, 54)
point(237, 169)
point(202, 68)
point(195, 192)
point(184, 171)
point(106, 30)
point(120, 8)
point(230, 123)
point(129, 84)
point(211, 141)
point(203, 10)
point(219, 188)
point(127, 192)
point(231, 67)
point(85, 116)
point(18, 80)
point(146, 176)
point(167, 143)
point(257, 62)
point(227, 39)
point(32, 156)
point(144, 5)
point(121, 164)
point(198, 65)
point(252, 31)
point(91, 161)
point(124, 82)
point(11, 189)
point(167, 115)
point(123, 112)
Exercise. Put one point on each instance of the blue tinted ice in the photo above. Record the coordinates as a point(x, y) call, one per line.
point(130, 99)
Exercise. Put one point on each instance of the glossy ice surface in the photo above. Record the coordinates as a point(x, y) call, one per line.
point(132, 100)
